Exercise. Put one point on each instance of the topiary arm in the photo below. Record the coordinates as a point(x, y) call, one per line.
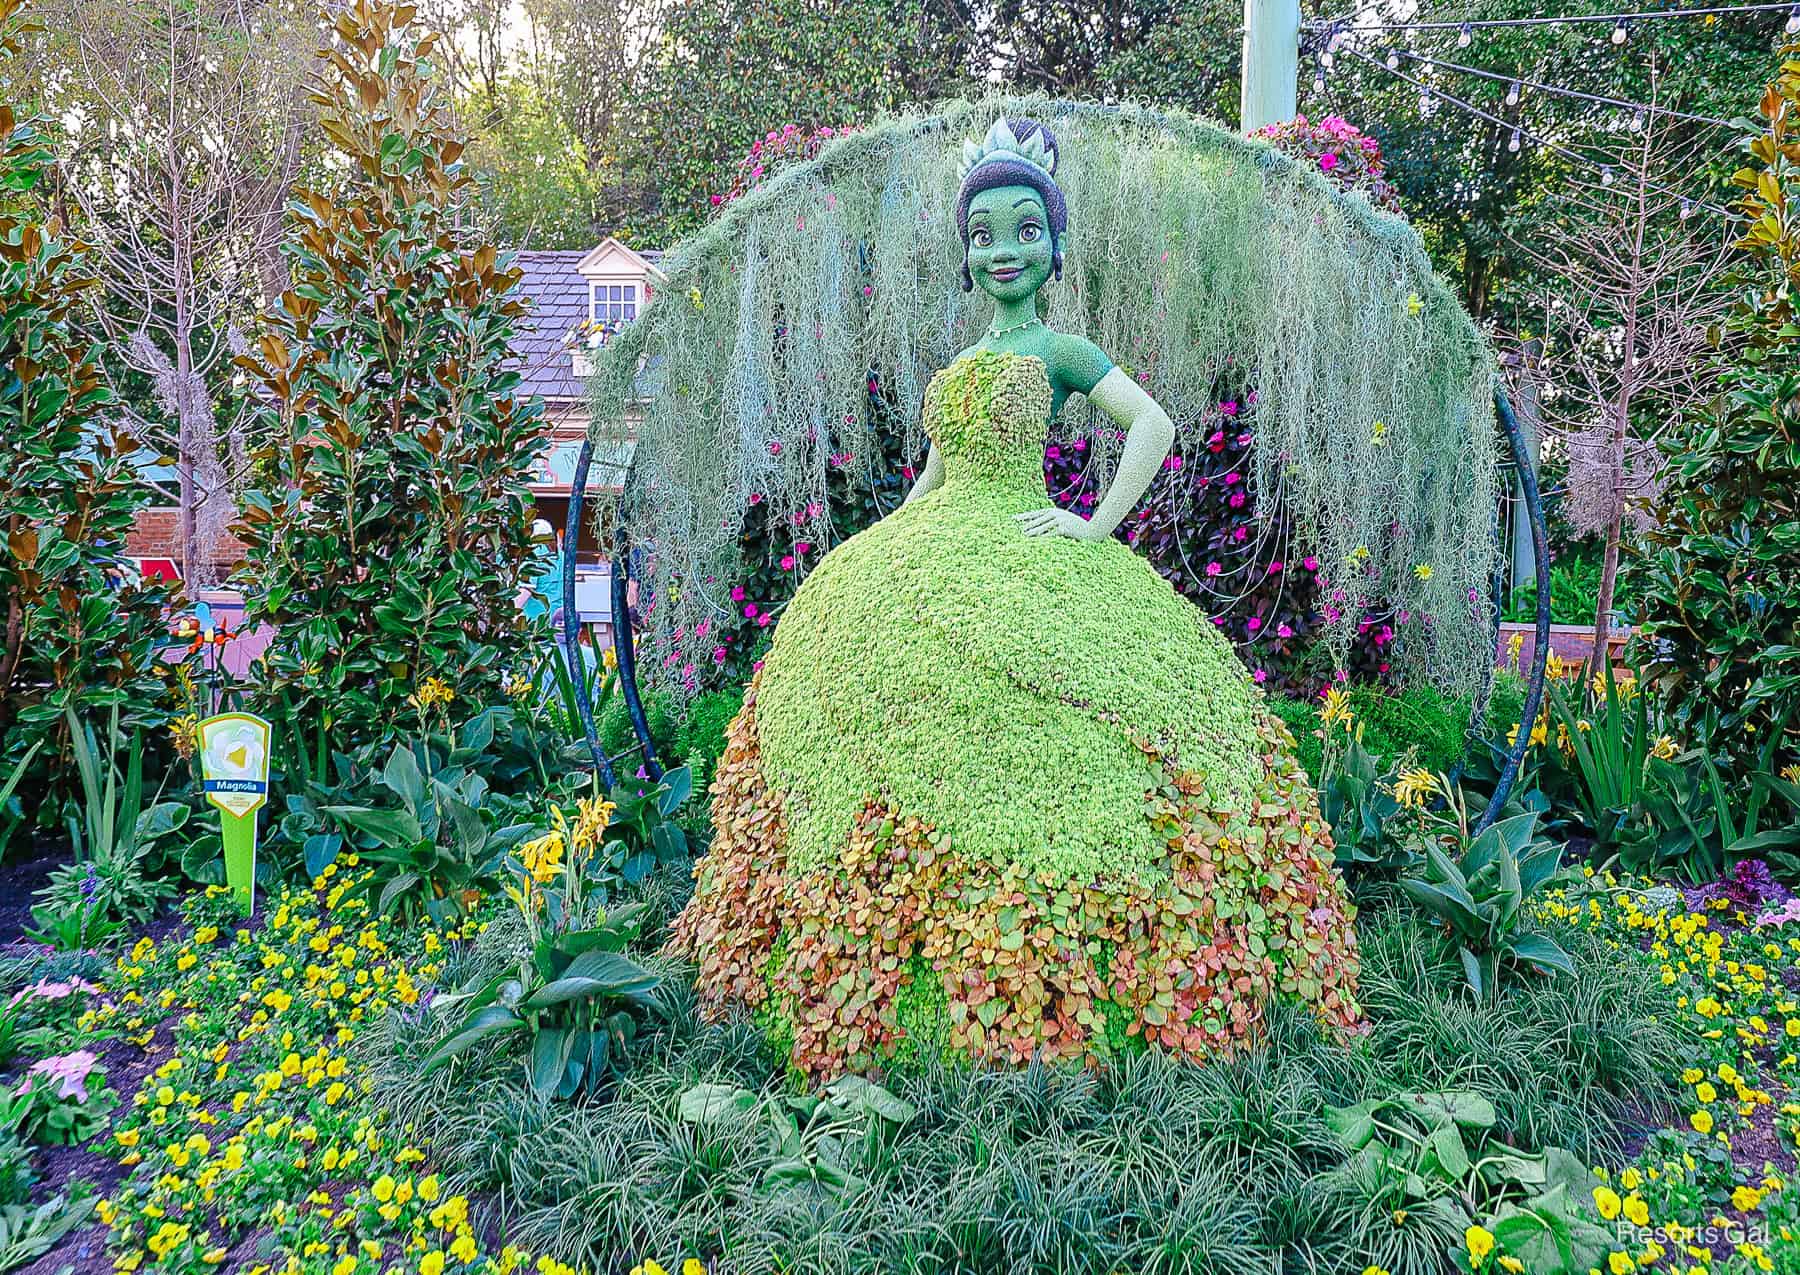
point(931, 479)
point(1148, 436)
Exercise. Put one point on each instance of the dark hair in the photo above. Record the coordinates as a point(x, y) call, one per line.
point(996, 173)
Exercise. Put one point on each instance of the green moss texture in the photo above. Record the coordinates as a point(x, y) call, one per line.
point(1001, 686)
point(1008, 797)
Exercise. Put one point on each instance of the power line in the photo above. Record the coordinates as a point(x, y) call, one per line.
point(1427, 92)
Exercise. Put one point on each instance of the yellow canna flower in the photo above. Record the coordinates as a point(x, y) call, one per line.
point(1415, 787)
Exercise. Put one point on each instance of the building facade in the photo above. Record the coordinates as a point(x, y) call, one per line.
point(575, 299)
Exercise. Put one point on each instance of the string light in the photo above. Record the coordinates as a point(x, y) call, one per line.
point(1326, 59)
point(1393, 60)
point(1793, 22)
point(1687, 209)
point(1617, 19)
point(1465, 37)
point(1637, 120)
point(1619, 32)
point(1512, 143)
point(1319, 83)
point(1515, 86)
point(1607, 176)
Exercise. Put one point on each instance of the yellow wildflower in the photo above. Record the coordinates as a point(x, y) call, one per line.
point(1480, 1242)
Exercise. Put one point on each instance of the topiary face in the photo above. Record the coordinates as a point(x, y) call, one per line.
point(1010, 243)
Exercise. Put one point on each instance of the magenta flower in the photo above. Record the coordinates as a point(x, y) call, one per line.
point(1259, 677)
point(1310, 563)
point(718, 655)
point(762, 621)
point(750, 611)
point(737, 593)
point(1253, 624)
point(1237, 500)
point(1229, 407)
point(1328, 161)
point(1274, 569)
point(1213, 568)
point(787, 562)
point(1284, 630)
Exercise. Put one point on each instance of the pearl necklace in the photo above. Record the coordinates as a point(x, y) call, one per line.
point(999, 332)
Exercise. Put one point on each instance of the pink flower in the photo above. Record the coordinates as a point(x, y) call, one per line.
point(1328, 161)
point(1274, 569)
point(756, 498)
point(1253, 624)
point(718, 655)
point(1310, 563)
point(1229, 407)
point(1233, 477)
point(1213, 568)
point(1284, 630)
point(703, 628)
point(750, 611)
point(787, 562)
point(1053, 452)
point(1259, 677)
point(1239, 533)
point(69, 1071)
point(737, 593)
point(762, 621)
point(1237, 500)
point(805, 546)
point(717, 200)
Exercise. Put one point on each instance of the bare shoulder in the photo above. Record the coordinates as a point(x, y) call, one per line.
point(1078, 363)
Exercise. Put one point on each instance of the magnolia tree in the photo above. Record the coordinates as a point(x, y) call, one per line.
point(1722, 583)
point(389, 540)
point(78, 629)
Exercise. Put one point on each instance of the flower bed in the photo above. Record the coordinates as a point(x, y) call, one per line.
point(253, 1129)
point(250, 1142)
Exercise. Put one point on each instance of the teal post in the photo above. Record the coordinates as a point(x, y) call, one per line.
point(1271, 63)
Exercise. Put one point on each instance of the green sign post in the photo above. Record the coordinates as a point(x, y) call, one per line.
point(234, 767)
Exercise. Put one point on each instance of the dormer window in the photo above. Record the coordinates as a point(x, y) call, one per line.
point(612, 302)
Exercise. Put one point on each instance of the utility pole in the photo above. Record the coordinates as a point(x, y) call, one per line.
point(1268, 94)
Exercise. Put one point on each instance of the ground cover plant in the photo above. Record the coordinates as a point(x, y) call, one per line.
point(276, 1108)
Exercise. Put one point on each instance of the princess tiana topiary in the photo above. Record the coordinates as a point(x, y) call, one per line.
point(998, 789)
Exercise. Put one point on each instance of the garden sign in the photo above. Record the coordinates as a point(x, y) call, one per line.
point(234, 765)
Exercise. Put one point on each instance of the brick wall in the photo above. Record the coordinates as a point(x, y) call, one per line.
point(155, 534)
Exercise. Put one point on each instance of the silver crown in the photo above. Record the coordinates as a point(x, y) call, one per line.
point(1001, 144)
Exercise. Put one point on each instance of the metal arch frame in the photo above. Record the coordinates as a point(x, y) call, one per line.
point(1540, 651)
point(625, 648)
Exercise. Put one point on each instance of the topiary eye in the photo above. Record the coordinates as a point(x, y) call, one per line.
point(1030, 232)
point(981, 237)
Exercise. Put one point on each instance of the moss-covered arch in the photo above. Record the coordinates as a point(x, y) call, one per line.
point(1189, 248)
